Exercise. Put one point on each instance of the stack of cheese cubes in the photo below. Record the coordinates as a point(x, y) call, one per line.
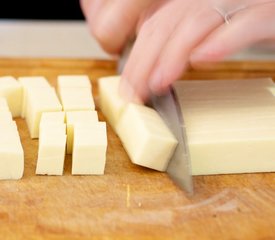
point(11, 151)
point(52, 144)
point(86, 136)
point(38, 97)
point(143, 133)
point(230, 125)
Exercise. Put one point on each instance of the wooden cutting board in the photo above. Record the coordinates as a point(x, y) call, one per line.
point(130, 201)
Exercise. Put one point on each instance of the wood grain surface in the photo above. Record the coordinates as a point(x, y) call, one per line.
point(131, 202)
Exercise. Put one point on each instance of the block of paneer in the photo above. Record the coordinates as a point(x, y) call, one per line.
point(230, 125)
point(73, 81)
point(111, 103)
point(29, 82)
point(52, 149)
point(78, 117)
point(145, 137)
point(90, 146)
point(11, 152)
point(11, 89)
point(4, 107)
point(76, 99)
point(40, 100)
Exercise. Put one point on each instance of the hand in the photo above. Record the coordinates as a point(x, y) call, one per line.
point(113, 22)
point(173, 32)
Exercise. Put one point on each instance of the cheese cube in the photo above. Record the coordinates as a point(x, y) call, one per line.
point(12, 91)
point(11, 161)
point(73, 81)
point(11, 151)
point(38, 101)
point(51, 152)
point(89, 149)
point(29, 82)
point(111, 103)
point(78, 117)
point(52, 118)
point(145, 137)
point(75, 99)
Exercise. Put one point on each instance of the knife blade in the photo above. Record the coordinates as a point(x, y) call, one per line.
point(168, 106)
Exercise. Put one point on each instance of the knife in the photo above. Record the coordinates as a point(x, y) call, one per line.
point(168, 106)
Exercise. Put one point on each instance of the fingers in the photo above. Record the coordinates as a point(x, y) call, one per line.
point(152, 37)
point(245, 28)
point(175, 55)
point(113, 22)
point(163, 46)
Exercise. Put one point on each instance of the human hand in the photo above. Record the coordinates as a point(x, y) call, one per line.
point(113, 22)
point(174, 32)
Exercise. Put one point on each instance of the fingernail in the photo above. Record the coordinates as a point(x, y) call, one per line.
point(155, 82)
point(127, 92)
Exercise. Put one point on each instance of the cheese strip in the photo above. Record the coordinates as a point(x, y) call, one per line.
point(30, 82)
point(111, 103)
point(75, 99)
point(11, 89)
point(52, 147)
point(40, 100)
point(73, 81)
point(89, 149)
point(78, 117)
point(145, 137)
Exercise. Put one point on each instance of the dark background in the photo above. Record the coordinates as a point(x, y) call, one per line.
point(41, 9)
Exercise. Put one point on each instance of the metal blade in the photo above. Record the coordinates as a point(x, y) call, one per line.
point(179, 168)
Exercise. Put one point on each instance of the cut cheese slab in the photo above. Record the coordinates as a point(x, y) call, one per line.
point(40, 100)
point(73, 81)
point(230, 125)
point(11, 89)
point(31, 82)
point(145, 137)
point(90, 146)
point(78, 117)
point(52, 148)
point(75, 99)
point(111, 103)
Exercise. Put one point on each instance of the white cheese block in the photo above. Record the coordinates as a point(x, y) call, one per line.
point(111, 103)
point(145, 137)
point(78, 117)
point(38, 101)
point(89, 149)
point(11, 89)
point(51, 153)
point(73, 81)
point(75, 99)
point(29, 82)
point(232, 152)
point(230, 127)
